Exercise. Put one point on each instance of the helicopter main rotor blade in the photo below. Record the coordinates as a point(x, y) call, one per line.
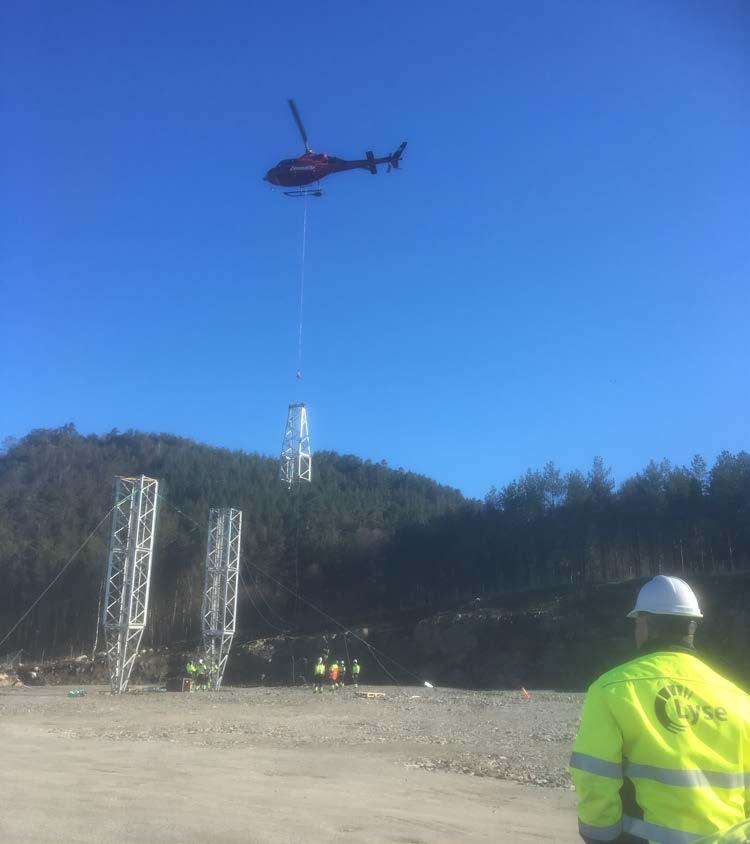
point(298, 121)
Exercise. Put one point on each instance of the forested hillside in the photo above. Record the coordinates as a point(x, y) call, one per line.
point(546, 529)
point(362, 542)
point(55, 486)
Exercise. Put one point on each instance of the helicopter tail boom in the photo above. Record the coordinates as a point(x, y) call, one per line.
point(370, 163)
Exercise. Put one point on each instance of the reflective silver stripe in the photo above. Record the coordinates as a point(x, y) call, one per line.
point(595, 765)
point(600, 833)
point(659, 834)
point(690, 779)
point(747, 779)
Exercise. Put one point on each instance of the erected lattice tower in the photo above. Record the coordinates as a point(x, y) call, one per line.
point(296, 456)
point(128, 574)
point(219, 610)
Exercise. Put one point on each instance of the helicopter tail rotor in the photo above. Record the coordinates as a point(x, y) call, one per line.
point(395, 158)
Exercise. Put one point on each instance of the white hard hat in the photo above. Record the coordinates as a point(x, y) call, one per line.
point(667, 596)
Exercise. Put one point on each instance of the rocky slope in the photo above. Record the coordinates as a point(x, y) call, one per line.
point(561, 640)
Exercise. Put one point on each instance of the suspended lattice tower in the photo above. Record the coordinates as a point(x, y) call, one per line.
point(296, 456)
point(219, 610)
point(128, 574)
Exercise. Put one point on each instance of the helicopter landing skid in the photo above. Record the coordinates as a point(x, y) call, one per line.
point(303, 192)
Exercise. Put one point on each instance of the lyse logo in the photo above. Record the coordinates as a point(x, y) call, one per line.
point(691, 713)
point(676, 711)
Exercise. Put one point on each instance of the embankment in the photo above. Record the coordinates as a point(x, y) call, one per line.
point(560, 639)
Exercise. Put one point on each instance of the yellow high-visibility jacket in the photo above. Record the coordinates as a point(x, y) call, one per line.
point(663, 751)
point(320, 669)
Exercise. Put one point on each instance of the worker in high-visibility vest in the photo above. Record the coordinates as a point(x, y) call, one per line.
point(201, 674)
point(190, 673)
point(319, 674)
point(356, 668)
point(663, 749)
point(333, 675)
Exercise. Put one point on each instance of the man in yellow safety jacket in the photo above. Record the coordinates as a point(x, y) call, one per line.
point(663, 749)
point(319, 674)
point(201, 674)
point(190, 670)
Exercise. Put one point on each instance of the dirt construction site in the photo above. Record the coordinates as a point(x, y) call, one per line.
point(262, 765)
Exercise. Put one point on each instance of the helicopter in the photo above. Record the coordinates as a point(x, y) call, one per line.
point(312, 166)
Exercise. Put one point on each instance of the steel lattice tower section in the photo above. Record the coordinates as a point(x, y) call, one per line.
point(128, 574)
point(296, 454)
point(219, 610)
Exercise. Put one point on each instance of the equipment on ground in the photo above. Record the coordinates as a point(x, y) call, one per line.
point(29, 676)
point(179, 684)
point(667, 596)
point(312, 166)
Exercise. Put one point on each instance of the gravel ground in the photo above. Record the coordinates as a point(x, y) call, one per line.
point(431, 736)
point(490, 734)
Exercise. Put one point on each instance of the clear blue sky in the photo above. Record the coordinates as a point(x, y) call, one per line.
point(560, 270)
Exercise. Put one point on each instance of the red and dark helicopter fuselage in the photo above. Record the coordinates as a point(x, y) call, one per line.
point(311, 167)
point(314, 166)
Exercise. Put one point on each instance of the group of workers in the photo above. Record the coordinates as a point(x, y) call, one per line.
point(336, 673)
point(196, 672)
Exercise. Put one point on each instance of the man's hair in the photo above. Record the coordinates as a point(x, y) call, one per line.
point(670, 627)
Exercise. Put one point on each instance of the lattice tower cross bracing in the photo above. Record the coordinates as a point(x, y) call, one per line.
point(219, 610)
point(296, 454)
point(128, 574)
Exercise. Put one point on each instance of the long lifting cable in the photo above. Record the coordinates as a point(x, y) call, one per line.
point(302, 289)
point(296, 553)
point(58, 575)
